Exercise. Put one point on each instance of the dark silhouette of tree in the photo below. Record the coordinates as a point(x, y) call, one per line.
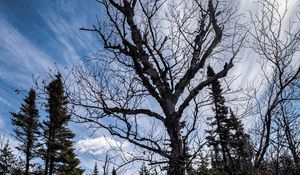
point(144, 62)
point(231, 147)
point(114, 172)
point(68, 161)
point(59, 152)
point(95, 171)
point(9, 162)
point(202, 165)
point(219, 135)
point(144, 170)
point(242, 149)
point(27, 128)
point(7, 157)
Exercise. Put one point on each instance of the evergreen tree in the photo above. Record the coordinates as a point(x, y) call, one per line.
point(144, 170)
point(7, 157)
point(95, 171)
point(27, 128)
point(231, 148)
point(218, 137)
point(59, 152)
point(9, 163)
point(241, 146)
point(202, 166)
point(114, 172)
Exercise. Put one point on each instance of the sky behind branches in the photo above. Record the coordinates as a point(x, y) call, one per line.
point(36, 36)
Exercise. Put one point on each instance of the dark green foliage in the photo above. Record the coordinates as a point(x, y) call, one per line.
point(202, 166)
point(27, 128)
point(114, 172)
point(241, 146)
point(69, 162)
point(231, 150)
point(282, 165)
point(218, 136)
point(59, 153)
point(7, 158)
point(144, 170)
point(9, 163)
point(95, 171)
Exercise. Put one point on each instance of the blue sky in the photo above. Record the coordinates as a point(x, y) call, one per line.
point(36, 36)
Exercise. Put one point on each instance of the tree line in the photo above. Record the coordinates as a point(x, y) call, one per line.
point(50, 140)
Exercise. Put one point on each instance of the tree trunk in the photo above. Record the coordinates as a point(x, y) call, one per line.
point(49, 150)
point(51, 166)
point(177, 162)
point(52, 152)
point(28, 155)
point(27, 166)
point(47, 162)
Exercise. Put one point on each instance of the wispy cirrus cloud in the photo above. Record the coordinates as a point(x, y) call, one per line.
point(1, 121)
point(20, 59)
point(72, 43)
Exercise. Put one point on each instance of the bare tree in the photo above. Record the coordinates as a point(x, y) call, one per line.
point(149, 83)
point(276, 39)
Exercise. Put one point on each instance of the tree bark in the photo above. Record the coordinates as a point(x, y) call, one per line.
point(27, 160)
point(177, 161)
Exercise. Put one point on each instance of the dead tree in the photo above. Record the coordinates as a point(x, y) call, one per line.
point(276, 40)
point(149, 83)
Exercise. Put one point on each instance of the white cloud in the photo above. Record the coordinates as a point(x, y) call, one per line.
point(98, 146)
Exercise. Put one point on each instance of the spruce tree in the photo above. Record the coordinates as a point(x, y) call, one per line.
point(7, 157)
point(231, 147)
point(95, 171)
point(9, 162)
point(242, 148)
point(144, 170)
point(27, 128)
point(114, 172)
point(218, 137)
point(59, 152)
